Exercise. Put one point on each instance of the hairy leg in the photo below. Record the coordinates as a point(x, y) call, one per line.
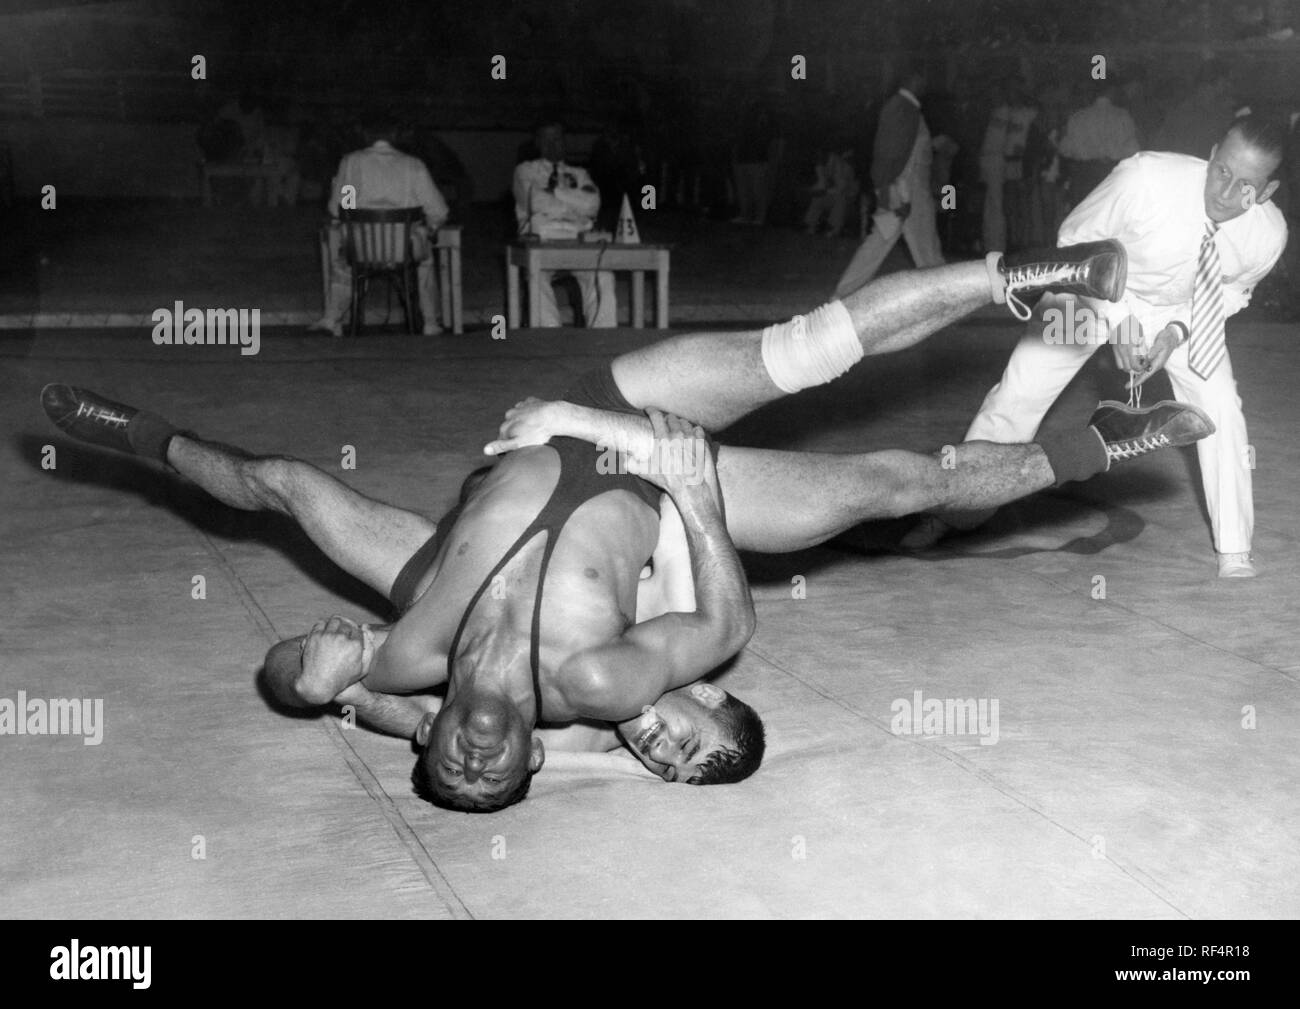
point(366, 538)
point(717, 378)
point(782, 501)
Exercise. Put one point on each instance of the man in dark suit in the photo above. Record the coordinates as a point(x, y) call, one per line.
point(900, 172)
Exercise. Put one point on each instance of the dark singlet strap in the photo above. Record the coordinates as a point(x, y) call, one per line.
point(525, 537)
point(567, 496)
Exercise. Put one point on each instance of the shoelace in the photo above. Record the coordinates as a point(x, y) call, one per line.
point(1035, 274)
point(1134, 447)
point(101, 416)
point(1135, 397)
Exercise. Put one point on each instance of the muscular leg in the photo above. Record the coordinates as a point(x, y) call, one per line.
point(777, 502)
point(366, 538)
point(717, 378)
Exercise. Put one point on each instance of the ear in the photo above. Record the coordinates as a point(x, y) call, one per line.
point(1269, 190)
point(708, 694)
point(424, 729)
point(537, 754)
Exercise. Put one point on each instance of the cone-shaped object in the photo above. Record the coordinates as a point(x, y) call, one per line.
point(627, 232)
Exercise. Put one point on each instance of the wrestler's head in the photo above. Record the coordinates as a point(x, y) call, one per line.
point(699, 734)
point(1242, 168)
point(479, 753)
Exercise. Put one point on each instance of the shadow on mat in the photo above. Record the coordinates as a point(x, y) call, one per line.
point(80, 464)
point(1122, 525)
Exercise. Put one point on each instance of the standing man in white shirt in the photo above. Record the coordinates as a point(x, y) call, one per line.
point(383, 178)
point(556, 201)
point(1200, 235)
point(1095, 139)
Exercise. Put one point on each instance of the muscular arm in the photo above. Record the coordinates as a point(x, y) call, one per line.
point(615, 681)
point(313, 669)
point(407, 661)
point(393, 714)
point(535, 422)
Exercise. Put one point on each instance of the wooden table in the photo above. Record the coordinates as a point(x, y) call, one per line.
point(538, 256)
point(446, 248)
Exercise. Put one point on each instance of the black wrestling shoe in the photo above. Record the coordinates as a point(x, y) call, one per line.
point(1093, 269)
point(91, 418)
point(1128, 432)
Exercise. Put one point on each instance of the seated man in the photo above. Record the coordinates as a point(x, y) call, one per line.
point(382, 178)
point(552, 628)
point(835, 191)
point(555, 201)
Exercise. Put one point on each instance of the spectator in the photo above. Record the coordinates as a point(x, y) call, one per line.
point(1096, 139)
point(1002, 159)
point(834, 193)
point(247, 114)
point(900, 171)
point(1054, 100)
point(383, 178)
point(557, 201)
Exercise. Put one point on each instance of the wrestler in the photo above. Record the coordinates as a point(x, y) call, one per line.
point(560, 640)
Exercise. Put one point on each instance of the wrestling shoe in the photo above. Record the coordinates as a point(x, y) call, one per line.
point(92, 418)
point(1092, 269)
point(1129, 433)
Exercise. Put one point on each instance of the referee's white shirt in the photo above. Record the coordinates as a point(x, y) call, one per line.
point(1154, 204)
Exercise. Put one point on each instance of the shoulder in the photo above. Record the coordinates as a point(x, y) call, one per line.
point(1161, 168)
point(589, 683)
point(1269, 224)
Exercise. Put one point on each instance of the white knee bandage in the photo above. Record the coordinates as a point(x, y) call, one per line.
point(811, 349)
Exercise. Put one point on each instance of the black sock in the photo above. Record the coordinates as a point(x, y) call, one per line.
point(1075, 455)
point(149, 434)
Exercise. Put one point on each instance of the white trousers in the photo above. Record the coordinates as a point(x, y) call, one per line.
point(1039, 371)
point(919, 231)
point(599, 307)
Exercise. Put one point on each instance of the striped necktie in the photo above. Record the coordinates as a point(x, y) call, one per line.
point(1207, 345)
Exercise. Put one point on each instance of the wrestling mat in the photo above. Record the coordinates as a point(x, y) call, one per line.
point(1131, 750)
